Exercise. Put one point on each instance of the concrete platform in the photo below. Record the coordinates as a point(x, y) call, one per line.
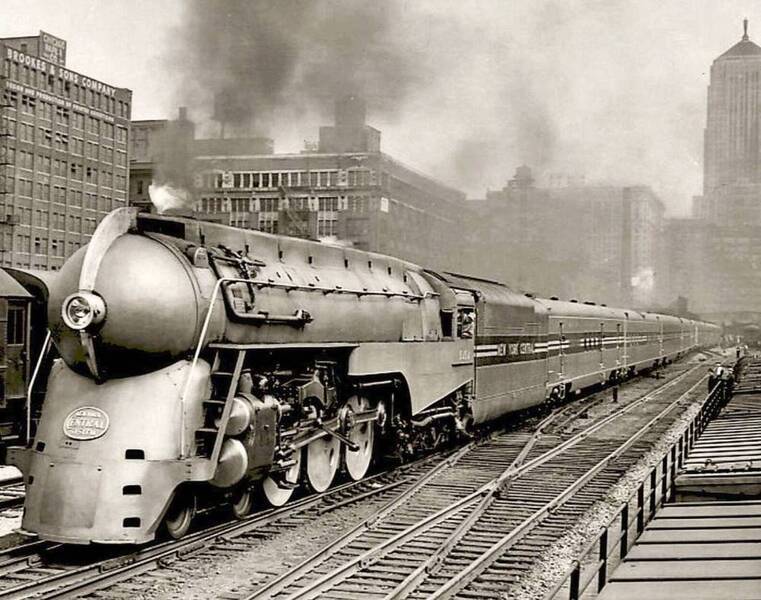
point(694, 551)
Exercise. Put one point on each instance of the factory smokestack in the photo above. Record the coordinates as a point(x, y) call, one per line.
point(350, 111)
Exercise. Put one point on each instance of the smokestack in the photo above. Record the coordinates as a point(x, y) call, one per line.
point(351, 111)
point(234, 113)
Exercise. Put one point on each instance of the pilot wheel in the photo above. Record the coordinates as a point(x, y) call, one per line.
point(179, 516)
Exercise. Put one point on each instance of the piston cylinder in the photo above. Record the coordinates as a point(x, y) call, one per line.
point(232, 466)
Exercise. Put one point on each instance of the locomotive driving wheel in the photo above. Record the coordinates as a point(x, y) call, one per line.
point(363, 435)
point(323, 457)
point(277, 489)
point(179, 516)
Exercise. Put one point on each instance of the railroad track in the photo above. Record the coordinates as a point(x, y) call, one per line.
point(11, 492)
point(478, 523)
point(47, 569)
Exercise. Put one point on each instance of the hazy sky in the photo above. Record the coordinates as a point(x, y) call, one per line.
point(614, 90)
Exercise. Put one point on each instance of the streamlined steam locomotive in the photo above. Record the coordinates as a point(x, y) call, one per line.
point(201, 362)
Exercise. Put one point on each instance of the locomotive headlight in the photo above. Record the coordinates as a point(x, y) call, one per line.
point(82, 310)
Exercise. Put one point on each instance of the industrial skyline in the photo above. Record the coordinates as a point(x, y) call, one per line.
point(617, 92)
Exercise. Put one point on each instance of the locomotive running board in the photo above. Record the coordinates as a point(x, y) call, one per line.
point(315, 345)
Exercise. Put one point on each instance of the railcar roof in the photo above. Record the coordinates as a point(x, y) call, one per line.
point(492, 292)
point(10, 288)
point(579, 309)
point(34, 281)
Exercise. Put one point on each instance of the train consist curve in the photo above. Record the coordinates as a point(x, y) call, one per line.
point(201, 362)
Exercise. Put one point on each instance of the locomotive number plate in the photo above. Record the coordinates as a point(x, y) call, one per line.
point(85, 423)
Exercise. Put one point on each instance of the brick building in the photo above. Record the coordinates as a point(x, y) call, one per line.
point(63, 152)
point(346, 190)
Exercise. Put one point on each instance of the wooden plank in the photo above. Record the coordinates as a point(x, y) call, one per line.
point(694, 551)
point(709, 509)
point(679, 590)
point(706, 523)
point(744, 443)
point(699, 535)
point(689, 570)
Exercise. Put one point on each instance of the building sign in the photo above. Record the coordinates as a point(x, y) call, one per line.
point(52, 49)
point(56, 70)
point(35, 93)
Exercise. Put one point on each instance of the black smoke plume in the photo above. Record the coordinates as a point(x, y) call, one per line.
point(241, 60)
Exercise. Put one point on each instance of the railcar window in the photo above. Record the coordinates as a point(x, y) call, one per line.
point(16, 329)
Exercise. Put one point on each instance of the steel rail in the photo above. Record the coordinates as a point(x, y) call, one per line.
point(293, 575)
point(16, 558)
point(476, 567)
point(92, 577)
point(280, 583)
point(283, 581)
point(572, 441)
point(330, 579)
point(10, 495)
point(435, 559)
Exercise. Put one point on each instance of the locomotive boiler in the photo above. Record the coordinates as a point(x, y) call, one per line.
point(203, 363)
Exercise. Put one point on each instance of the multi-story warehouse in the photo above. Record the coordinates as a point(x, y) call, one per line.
point(63, 152)
point(345, 191)
point(365, 199)
point(589, 242)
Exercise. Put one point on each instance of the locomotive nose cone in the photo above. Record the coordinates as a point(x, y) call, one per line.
point(126, 304)
point(143, 314)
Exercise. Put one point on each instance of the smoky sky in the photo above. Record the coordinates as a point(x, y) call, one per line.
point(468, 90)
point(248, 62)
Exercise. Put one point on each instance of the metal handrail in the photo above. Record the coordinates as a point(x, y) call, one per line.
point(199, 347)
point(37, 366)
point(675, 455)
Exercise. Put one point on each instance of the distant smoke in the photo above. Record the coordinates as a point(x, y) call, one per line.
point(465, 91)
point(643, 282)
point(244, 60)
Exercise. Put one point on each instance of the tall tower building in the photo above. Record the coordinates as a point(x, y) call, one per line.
point(733, 129)
point(725, 283)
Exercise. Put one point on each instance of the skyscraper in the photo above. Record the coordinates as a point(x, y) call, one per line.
point(725, 283)
point(733, 128)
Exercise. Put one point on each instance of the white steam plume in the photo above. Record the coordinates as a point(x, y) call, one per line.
point(165, 197)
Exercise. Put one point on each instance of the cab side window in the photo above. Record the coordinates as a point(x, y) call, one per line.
point(466, 323)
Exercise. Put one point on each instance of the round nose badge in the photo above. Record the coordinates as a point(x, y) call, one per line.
point(85, 423)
